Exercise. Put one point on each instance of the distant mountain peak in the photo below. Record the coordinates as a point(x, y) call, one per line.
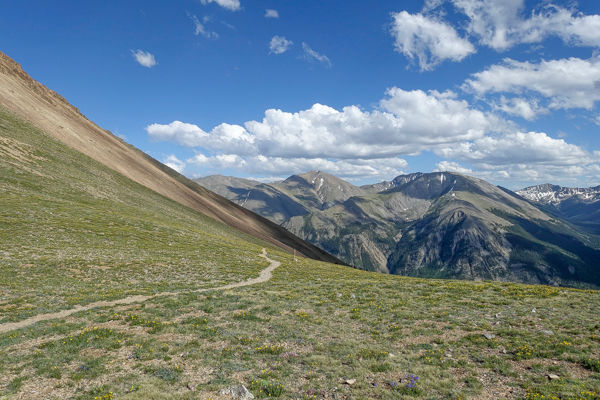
point(554, 194)
point(442, 224)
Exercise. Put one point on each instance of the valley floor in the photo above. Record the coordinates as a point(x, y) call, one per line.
point(309, 332)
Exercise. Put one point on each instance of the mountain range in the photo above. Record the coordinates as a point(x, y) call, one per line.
point(440, 224)
point(580, 206)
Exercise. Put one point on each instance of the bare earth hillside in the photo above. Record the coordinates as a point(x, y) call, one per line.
point(53, 114)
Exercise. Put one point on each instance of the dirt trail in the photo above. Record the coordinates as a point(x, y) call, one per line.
point(264, 276)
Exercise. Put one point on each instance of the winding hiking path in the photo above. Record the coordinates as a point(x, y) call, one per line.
point(264, 276)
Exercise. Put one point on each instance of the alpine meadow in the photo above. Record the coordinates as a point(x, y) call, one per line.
point(416, 215)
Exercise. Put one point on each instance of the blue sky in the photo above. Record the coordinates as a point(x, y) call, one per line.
point(507, 91)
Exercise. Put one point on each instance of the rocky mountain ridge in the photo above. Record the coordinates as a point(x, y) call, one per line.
point(430, 224)
point(555, 194)
point(579, 206)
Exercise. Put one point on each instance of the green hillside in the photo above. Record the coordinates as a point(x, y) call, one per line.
point(74, 232)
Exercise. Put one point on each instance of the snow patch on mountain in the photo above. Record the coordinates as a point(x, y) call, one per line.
point(554, 194)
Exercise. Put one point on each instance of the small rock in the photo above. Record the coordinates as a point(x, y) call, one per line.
point(498, 315)
point(533, 310)
point(489, 336)
point(553, 377)
point(350, 382)
point(353, 296)
point(338, 295)
point(237, 392)
point(547, 332)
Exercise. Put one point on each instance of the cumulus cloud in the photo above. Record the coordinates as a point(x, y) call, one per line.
point(528, 157)
point(279, 45)
point(200, 29)
point(527, 109)
point(222, 137)
point(502, 24)
point(428, 40)
point(269, 13)
point(455, 119)
point(567, 83)
point(338, 141)
point(173, 162)
point(219, 161)
point(144, 58)
point(518, 148)
point(370, 144)
point(312, 55)
point(232, 5)
point(402, 125)
point(452, 166)
point(280, 166)
point(188, 135)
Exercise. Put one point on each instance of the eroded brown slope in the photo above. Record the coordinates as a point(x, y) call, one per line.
point(53, 114)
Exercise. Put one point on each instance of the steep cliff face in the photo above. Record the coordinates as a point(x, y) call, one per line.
point(457, 243)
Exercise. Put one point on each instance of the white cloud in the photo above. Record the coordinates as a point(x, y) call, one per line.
point(279, 45)
point(219, 161)
point(188, 135)
point(454, 119)
point(232, 5)
point(200, 29)
point(567, 83)
point(144, 58)
point(271, 13)
point(528, 109)
point(522, 158)
point(262, 165)
point(403, 125)
point(359, 144)
point(429, 40)
point(501, 25)
point(494, 22)
point(173, 162)
point(268, 179)
point(311, 55)
point(222, 137)
point(526, 148)
point(451, 166)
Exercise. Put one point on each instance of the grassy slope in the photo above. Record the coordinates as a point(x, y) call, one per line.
point(50, 112)
point(72, 232)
